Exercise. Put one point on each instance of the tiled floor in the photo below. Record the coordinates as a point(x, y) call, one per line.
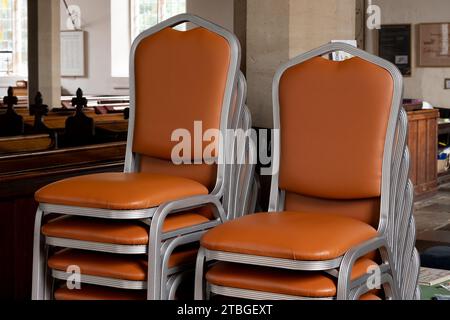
point(433, 213)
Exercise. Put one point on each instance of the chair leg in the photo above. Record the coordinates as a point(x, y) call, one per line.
point(154, 273)
point(171, 288)
point(39, 261)
point(387, 287)
point(167, 250)
point(48, 279)
point(154, 261)
point(173, 284)
point(51, 292)
point(199, 275)
point(167, 282)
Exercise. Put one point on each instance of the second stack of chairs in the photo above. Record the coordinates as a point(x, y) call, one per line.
point(340, 220)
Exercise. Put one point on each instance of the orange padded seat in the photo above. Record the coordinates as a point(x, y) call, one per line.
point(279, 281)
point(119, 191)
point(370, 297)
point(290, 235)
point(97, 293)
point(120, 232)
point(131, 268)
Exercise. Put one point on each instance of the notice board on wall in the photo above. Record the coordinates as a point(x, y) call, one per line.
point(394, 45)
point(434, 45)
point(72, 54)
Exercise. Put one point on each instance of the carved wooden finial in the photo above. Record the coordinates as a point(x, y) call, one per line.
point(38, 100)
point(79, 102)
point(39, 110)
point(10, 100)
point(80, 129)
point(11, 124)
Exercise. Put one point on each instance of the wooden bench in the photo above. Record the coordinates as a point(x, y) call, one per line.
point(26, 144)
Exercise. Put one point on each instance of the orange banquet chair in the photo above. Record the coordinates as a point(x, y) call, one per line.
point(340, 222)
point(133, 235)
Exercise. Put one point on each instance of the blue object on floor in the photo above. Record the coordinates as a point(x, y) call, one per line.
point(436, 258)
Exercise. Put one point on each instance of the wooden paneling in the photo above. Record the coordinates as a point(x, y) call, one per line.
point(412, 143)
point(422, 142)
point(16, 234)
point(7, 250)
point(432, 149)
point(20, 177)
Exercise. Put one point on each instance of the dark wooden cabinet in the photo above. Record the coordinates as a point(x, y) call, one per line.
point(20, 177)
point(423, 146)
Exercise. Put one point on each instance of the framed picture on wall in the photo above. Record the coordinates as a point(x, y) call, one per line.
point(394, 45)
point(447, 84)
point(434, 45)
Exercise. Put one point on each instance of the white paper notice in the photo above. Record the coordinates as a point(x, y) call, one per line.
point(72, 53)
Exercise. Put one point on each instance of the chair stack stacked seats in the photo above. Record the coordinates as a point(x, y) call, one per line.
point(340, 223)
point(134, 235)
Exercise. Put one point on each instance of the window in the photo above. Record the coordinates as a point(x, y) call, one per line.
point(13, 38)
point(147, 13)
point(128, 19)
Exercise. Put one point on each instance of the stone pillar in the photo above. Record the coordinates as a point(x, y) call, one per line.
point(314, 23)
point(230, 14)
point(267, 48)
point(240, 29)
point(278, 30)
point(44, 58)
point(217, 11)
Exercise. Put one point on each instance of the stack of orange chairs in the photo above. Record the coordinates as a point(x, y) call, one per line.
point(134, 235)
point(340, 223)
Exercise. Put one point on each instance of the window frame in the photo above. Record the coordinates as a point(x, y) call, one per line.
point(120, 80)
point(19, 64)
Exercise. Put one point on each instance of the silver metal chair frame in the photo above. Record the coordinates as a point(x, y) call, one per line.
point(243, 185)
point(396, 232)
point(174, 283)
point(255, 295)
point(157, 215)
point(167, 250)
point(387, 283)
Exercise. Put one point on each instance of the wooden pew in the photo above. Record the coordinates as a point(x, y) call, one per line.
point(39, 110)
point(26, 144)
point(11, 123)
point(57, 120)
